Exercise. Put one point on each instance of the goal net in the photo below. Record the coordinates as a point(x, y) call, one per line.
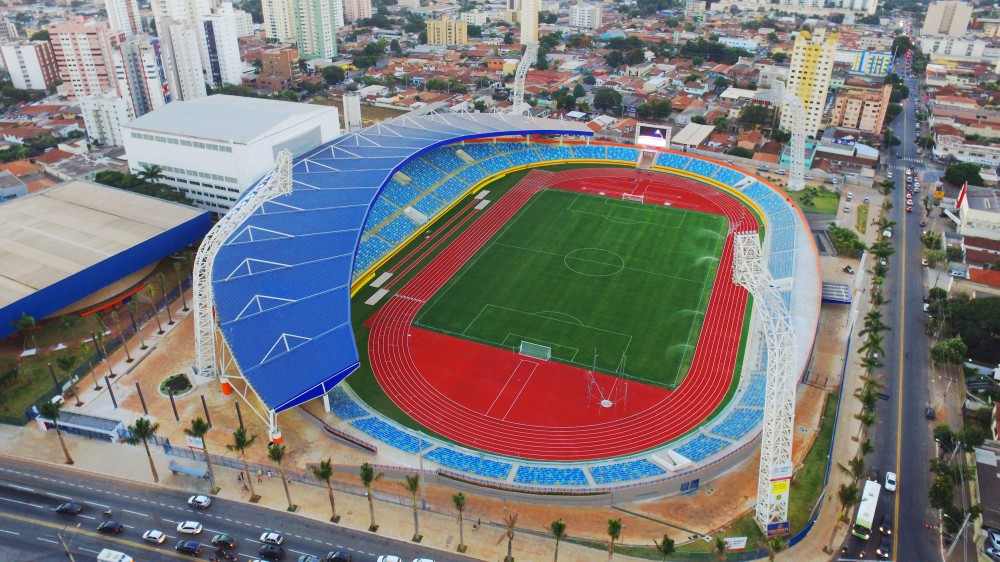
point(535, 350)
point(631, 197)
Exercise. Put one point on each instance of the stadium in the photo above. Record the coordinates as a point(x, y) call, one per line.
point(511, 304)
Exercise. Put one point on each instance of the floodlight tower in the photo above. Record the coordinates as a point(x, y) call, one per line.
point(278, 183)
point(775, 472)
point(530, 56)
point(789, 102)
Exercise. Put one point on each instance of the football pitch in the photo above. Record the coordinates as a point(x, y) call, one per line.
point(617, 286)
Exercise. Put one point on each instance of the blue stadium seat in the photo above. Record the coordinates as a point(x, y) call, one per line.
point(343, 406)
point(738, 423)
point(480, 150)
point(590, 152)
point(549, 152)
point(701, 447)
point(398, 229)
point(755, 391)
point(444, 157)
point(380, 211)
point(370, 251)
point(428, 205)
point(524, 157)
point(473, 174)
point(622, 153)
point(389, 434)
point(669, 160)
point(450, 190)
point(550, 476)
point(625, 471)
point(469, 463)
point(496, 164)
point(728, 176)
point(401, 195)
point(423, 174)
point(702, 167)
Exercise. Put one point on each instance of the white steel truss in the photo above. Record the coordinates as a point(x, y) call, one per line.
point(775, 471)
point(530, 57)
point(278, 183)
point(789, 102)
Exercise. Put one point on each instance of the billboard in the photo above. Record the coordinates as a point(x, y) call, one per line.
point(778, 529)
point(652, 135)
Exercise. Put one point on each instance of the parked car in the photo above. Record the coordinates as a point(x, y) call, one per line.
point(189, 547)
point(200, 501)
point(69, 508)
point(154, 536)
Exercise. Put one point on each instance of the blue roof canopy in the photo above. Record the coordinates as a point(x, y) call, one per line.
point(282, 282)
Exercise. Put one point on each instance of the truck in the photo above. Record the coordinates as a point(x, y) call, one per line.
point(108, 555)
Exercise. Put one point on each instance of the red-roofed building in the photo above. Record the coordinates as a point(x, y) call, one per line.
point(989, 277)
point(53, 156)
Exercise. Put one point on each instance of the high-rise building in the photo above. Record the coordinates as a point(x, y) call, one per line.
point(585, 16)
point(861, 107)
point(220, 47)
point(123, 15)
point(447, 31)
point(104, 115)
point(8, 29)
point(279, 20)
point(142, 79)
point(279, 69)
point(529, 21)
point(83, 52)
point(947, 18)
point(181, 55)
point(809, 76)
point(694, 8)
point(30, 64)
point(315, 28)
point(355, 10)
point(244, 23)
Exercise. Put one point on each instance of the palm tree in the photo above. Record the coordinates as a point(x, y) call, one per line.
point(276, 453)
point(368, 478)
point(66, 364)
point(142, 431)
point(85, 350)
point(241, 442)
point(67, 322)
point(199, 428)
point(156, 311)
point(867, 447)
point(872, 345)
point(558, 530)
point(720, 548)
point(848, 496)
point(50, 411)
point(509, 527)
point(870, 363)
point(102, 346)
point(873, 323)
point(180, 285)
point(774, 545)
point(412, 485)
point(459, 500)
point(160, 278)
point(665, 547)
point(878, 299)
point(26, 325)
point(150, 173)
point(615, 532)
point(133, 305)
point(324, 471)
point(118, 325)
point(855, 468)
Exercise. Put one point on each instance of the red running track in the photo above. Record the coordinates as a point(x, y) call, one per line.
point(495, 400)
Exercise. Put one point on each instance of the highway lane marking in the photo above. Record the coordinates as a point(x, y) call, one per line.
point(23, 503)
point(9, 532)
point(135, 512)
point(47, 540)
point(22, 488)
point(299, 551)
point(99, 504)
point(87, 517)
point(88, 550)
point(899, 359)
point(60, 496)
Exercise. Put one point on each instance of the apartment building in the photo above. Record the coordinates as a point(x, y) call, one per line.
point(947, 18)
point(861, 107)
point(585, 16)
point(316, 27)
point(447, 31)
point(83, 53)
point(809, 75)
point(30, 64)
point(123, 16)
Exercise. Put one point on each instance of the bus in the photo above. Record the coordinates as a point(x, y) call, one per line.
point(866, 511)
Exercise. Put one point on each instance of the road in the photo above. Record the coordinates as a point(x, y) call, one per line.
point(30, 530)
point(902, 436)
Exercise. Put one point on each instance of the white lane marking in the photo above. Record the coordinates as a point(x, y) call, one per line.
point(25, 488)
point(170, 521)
point(128, 526)
point(60, 496)
point(99, 505)
point(47, 540)
point(88, 550)
point(88, 517)
point(22, 503)
point(135, 512)
point(299, 551)
point(9, 532)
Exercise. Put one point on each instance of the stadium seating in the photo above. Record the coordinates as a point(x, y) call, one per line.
point(428, 205)
point(669, 160)
point(480, 150)
point(469, 463)
point(549, 476)
point(702, 167)
point(625, 471)
point(496, 164)
point(524, 157)
point(755, 391)
point(728, 176)
point(590, 152)
point(473, 174)
point(397, 230)
point(401, 195)
point(343, 406)
point(444, 157)
point(423, 174)
point(622, 153)
point(550, 152)
point(738, 423)
point(380, 211)
point(701, 447)
point(389, 434)
point(781, 263)
point(370, 251)
point(450, 190)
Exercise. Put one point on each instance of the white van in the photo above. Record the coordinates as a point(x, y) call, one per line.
point(108, 555)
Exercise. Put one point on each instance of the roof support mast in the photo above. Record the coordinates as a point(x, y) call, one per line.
point(530, 57)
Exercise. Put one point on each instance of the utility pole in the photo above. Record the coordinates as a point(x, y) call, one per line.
point(65, 548)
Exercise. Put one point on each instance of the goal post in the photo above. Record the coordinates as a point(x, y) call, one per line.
point(535, 350)
point(631, 197)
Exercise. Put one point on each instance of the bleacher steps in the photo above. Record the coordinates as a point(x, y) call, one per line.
point(402, 178)
point(465, 156)
point(678, 461)
point(416, 216)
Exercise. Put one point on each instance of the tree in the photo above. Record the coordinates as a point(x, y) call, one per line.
point(719, 548)
point(26, 325)
point(779, 57)
point(459, 501)
point(615, 533)
point(242, 440)
point(774, 545)
point(276, 452)
point(740, 152)
point(66, 363)
point(589, 80)
point(121, 334)
point(935, 257)
point(665, 547)
point(132, 306)
point(156, 312)
point(558, 530)
point(899, 93)
point(958, 174)
point(368, 478)
point(699, 119)
point(579, 91)
point(978, 322)
point(942, 492)
point(141, 432)
point(161, 278)
point(867, 447)
point(848, 496)
point(332, 74)
point(755, 116)
point(867, 419)
point(102, 346)
point(945, 436)
point(509, 526)
point(721, 123)
point(607, 98)
point(85, 351)
point(198, 429)
point(412, 485)
point(150, 173)
point(50, 411)
point(178, 265)
point(324, 471)
point(721, 83)
point(950, 352)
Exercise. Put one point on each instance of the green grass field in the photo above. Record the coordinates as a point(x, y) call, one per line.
point(584, 274)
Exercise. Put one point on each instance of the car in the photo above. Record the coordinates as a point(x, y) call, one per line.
point(422, 560)
point(309, 558)
point(189, 547)
point(927, 306)
point(850, 196)
point(992, 537)
point(154, 536)
point(886, 525)
point(389, 558)
point(884, 549)
point(888, 176)
point(807, 176)
point(270, 537)
point(338, 557)
point(923, 223)
point(916, 188)
point(271, 552)
point(866, 201)
point(992, 553)
point(883, 262)
point(780, 172)
point(223, 540)
point(847, 209)
point(200, 501)
point(890, 481)
point(887, 233)
point(929, 413)
point(909, 201)
point(110, 526)
point(916, 185)
point(189, 527)
point(69, 508)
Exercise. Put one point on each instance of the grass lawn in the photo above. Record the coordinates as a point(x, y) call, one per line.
point(807, 484)
point(862, 224)
point(616, 284)
point(33, 382)
point(816, 200)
